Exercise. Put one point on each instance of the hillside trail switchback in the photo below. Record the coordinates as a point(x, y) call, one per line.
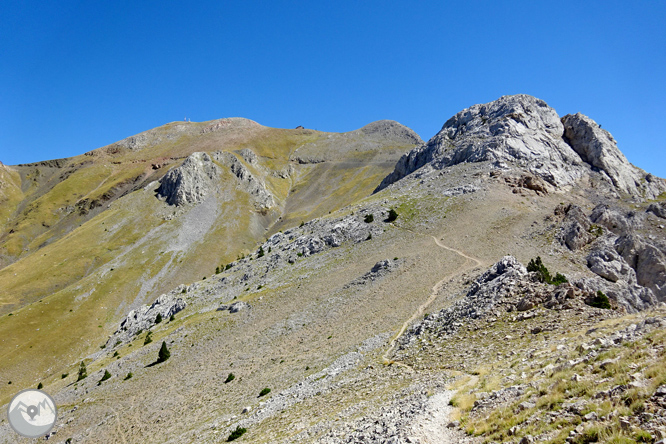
point(433, 295)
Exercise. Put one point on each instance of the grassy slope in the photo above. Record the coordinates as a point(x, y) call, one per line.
point(83, 272)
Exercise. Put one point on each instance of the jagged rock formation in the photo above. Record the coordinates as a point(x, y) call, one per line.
point(191, 182)
point(143, 318)
point(525, 131)
point(250, 183)
point(597, 147)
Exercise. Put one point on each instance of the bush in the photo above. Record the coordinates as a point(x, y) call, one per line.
point(260, 253)
point(172, 318)
point(392, 215)
point(164, 353)
point(230, 378)
point(129, 376)
point(148, 339)
point(158, 318)
point(83, 372)
point(369, 218)
point(236, 433)
point(64, 375)
point(116, 354)
point(264, 392)
point(537, 266)
point(600, 300)
point(217, 270)
point(228, 266)
point(40, 386)
point(106, 376)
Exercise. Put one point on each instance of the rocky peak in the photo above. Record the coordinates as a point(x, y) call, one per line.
point(526, 132)
point(191, 182)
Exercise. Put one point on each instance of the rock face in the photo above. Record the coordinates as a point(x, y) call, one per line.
point(575, 232)
point(250, 183)
point(648, 259)
point(144, 317)
point(598, 148)
point(525, 131)
point(191, 182)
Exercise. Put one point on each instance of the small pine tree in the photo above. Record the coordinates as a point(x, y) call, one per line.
point(601, 300)
point(148, 339)
point(236, 433)
point(158, 318)
point(64, 375)
point(261, 253)
point(230, 378)
point(129, 376)
point(217, 270)
point(227, 267)
point(369, 218)
point(172, 318)
point(83, 372)
point(265, 392)
point(40, 386)
point(164, 353)
point(106, 376)
point(392, 215)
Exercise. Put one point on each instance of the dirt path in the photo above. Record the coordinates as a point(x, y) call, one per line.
point(433, 295)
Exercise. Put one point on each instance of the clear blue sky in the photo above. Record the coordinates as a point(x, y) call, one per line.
point(77, 75)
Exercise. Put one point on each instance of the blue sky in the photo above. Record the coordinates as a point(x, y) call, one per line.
point(77, 75)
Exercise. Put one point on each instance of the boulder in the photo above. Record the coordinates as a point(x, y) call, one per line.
point(658, 209)
point(575, 232)
point(608, 264)
point(648, 259)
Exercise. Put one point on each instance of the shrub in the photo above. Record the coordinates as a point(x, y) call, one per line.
point(106, 376)
point(302, 223)
point(172, 318)
point(164, 353)
point(40, 386)
point(236, 433)
point(158, 318)
point(115, 354)
point(148, 339)
point(265, 392)
point(260, 253)
point(392, 215)
point(217, 270)
point(368, 218)
point(129, 376)
point(228, 266)
point(83, 372)
point(230, 378)
point(600, 300)
point(64, 375)
point(537, 266)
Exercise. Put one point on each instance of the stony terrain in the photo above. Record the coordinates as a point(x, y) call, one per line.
point(505, 283)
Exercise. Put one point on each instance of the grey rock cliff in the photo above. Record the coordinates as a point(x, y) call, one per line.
point(597, 147)
point(191, 182)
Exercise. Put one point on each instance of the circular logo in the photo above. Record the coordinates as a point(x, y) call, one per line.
point(32, 413)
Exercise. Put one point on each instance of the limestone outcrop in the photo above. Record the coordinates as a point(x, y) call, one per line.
point(191, 182)
point(524, 131)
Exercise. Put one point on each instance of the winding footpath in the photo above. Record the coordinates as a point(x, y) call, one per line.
point(433, 295)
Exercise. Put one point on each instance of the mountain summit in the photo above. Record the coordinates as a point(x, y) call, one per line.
point(523, 130)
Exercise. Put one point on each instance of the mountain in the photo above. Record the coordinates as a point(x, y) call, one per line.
point(461, 300)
